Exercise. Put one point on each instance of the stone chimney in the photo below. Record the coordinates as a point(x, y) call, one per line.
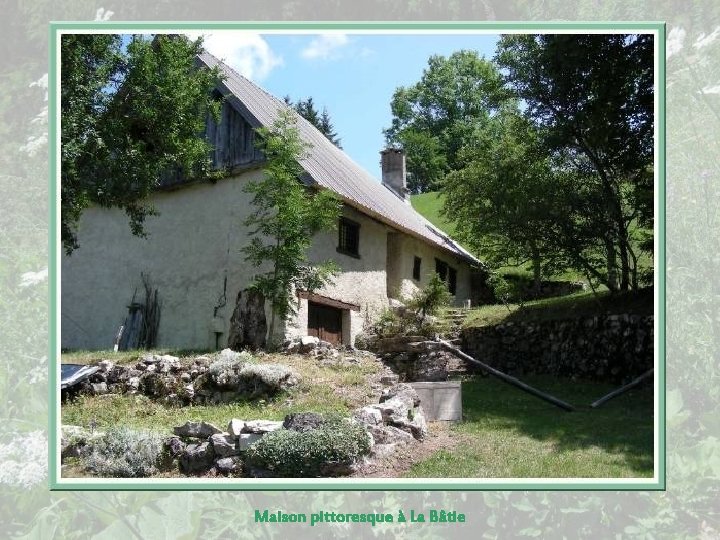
point(393, 172)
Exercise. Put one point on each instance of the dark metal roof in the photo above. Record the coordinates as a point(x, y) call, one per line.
point(330, 167)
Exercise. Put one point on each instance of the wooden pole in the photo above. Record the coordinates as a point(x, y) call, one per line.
point(622, 389)
point(508, 379)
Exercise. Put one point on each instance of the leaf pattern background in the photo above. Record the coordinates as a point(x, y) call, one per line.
point(688, 509)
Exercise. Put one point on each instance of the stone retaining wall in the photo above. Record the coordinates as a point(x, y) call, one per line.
point(611, 348)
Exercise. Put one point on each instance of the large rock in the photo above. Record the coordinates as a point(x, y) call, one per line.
point(106, 366)
point(415, 424)
point(197, 458)
point(117, 374)
point(175, 446)
point(186, 392)
point(99, 388)
point(261, 426)
point(368, 416)
point(229, 465)
point(248, 439)
point(266, 379)
point(198, 430)
point(389, 435)
point(305, 421)
point(404, 392)
point(154, 384)
point(248, 326)
point(224, 445)
point(310, 345)
point(133, 384)
point(235, 427)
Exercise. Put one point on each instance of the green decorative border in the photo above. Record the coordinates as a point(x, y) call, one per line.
point(560, 484)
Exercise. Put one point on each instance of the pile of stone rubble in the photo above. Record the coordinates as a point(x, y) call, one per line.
point(200, 448)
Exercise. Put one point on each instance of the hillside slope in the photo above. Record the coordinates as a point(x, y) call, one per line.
point(429, 206)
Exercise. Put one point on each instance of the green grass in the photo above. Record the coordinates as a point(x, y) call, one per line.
point(524, 273)
point(582, 304)
point(334, 388)
point(507, 433)
point(429, 205)
point(123, 357)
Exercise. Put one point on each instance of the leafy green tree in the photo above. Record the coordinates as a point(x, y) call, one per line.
point(593, 94)
point(433, 118)
point(130, 113)
point(505, 197)
point(285, 219)
point(306, 109)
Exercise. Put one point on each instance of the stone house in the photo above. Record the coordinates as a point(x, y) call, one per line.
point(192, 254)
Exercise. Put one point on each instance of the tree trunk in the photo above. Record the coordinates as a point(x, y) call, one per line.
point(248, 326)
point(624, 266)
point(611, 257)
point(537, 271)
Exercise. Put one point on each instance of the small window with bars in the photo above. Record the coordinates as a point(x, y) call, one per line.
point(349, 237)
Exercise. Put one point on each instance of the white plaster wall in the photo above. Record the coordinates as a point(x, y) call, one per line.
point(191, 246)
point(408, 248)
point(362, 281)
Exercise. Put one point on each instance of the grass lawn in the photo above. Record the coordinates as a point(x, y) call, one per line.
point(507, 433)
point(333, 388)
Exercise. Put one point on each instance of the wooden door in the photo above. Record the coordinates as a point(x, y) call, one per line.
point(325, 322)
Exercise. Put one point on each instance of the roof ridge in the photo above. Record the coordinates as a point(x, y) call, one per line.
point(332, 168)
point(281, 103)
point(224, 65)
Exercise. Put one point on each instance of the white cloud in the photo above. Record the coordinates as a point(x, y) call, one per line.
point(675, 40)
point(246, 52)
point(704, 41)
point(325, 46)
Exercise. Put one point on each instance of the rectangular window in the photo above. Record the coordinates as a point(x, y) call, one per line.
point(452, 280)
point(349, 237)
point(448, 274)
point(416, 268)
point(441, 269)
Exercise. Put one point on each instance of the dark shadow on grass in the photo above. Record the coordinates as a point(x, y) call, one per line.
point(623, 425)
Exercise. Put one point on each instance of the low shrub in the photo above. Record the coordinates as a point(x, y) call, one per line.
point(505, 290)
point(125, 453)
point(328, 450)
point(389, 324)
point(429, 299)
point(225, 371)
point(266, 378)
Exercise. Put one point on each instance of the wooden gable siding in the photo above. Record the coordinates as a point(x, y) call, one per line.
point(233, 139)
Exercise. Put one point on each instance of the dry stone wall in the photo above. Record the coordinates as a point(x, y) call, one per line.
point(610, 348)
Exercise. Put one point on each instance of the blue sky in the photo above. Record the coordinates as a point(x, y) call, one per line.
point(353, 75)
